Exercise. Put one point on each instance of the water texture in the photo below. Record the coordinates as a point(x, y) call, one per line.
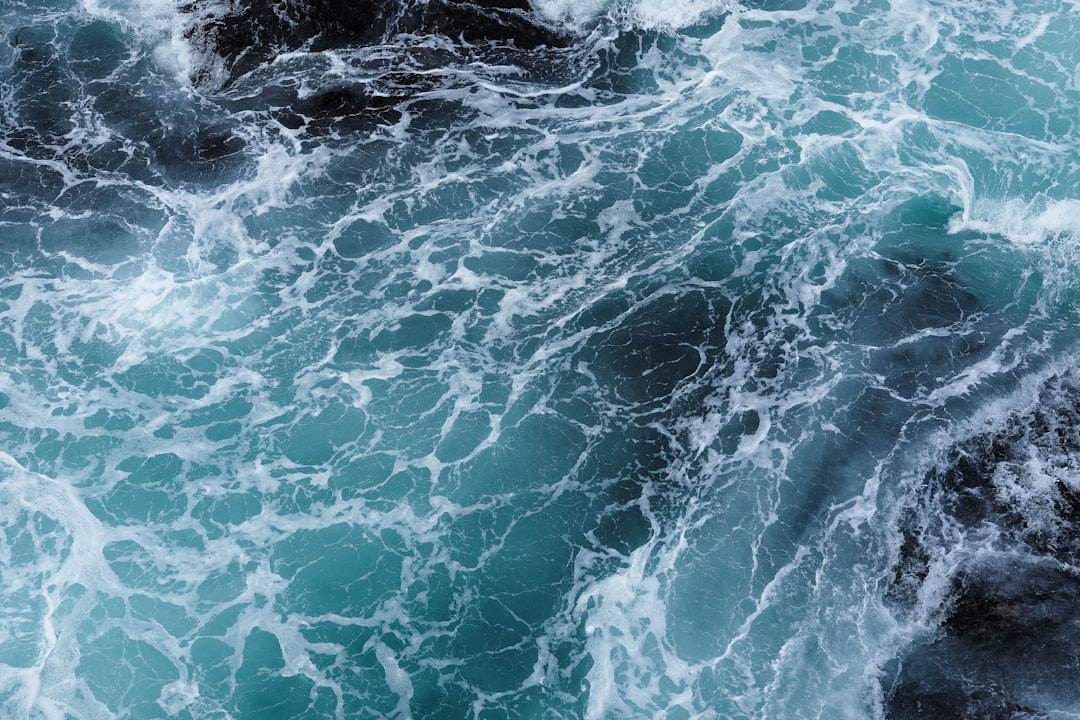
point(605, 360)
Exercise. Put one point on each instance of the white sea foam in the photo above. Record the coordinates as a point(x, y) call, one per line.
point(648, 14)
point(66, 560)
point(625, 625)
point(155, 23)
point(1030, 224)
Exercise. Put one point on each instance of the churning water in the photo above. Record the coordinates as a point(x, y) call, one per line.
point(685, 359)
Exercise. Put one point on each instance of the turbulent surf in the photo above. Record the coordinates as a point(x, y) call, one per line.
point(606, 359)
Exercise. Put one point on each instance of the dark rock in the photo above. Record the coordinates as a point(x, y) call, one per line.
point(911, 569)
point(1069, 504)
point(343, 22)
point(939, 697)
point(1010, 636)
point(254, 50)
point(1013, 605)
point(1009, 639)
point(253, 32)
point(343, 108)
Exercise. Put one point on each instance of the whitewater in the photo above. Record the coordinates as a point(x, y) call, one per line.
point(604, 359)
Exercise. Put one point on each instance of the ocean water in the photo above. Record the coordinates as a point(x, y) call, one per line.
point(718, 361)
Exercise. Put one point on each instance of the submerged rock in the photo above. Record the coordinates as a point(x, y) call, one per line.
point(344, 66)
point(246, 34)
point(1005, 508)
point(1010, 638)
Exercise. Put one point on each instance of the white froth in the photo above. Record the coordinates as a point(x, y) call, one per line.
point(645, 14)
point(157, 23)
point(1029, 224)
point(678, 13)
point(396, 679)
point(68, 558)
point(625, 619)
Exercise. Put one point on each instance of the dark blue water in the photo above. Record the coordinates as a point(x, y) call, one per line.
point(605, 360)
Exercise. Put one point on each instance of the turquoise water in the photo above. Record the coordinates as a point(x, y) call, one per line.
point(636, 383)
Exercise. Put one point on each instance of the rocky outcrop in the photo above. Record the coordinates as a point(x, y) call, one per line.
point(1010, 640)
point(1001, 515)
point(244, 34)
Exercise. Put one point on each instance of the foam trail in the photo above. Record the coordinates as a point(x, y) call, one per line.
point(70, 561)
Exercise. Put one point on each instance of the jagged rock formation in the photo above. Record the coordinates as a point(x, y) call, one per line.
point(261, 54)
point(244, 34)
point(1001, 516)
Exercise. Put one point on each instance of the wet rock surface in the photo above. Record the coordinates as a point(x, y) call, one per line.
point(374, 55)
point(1008, 633)
point(246, 35)
point(1001, 520)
